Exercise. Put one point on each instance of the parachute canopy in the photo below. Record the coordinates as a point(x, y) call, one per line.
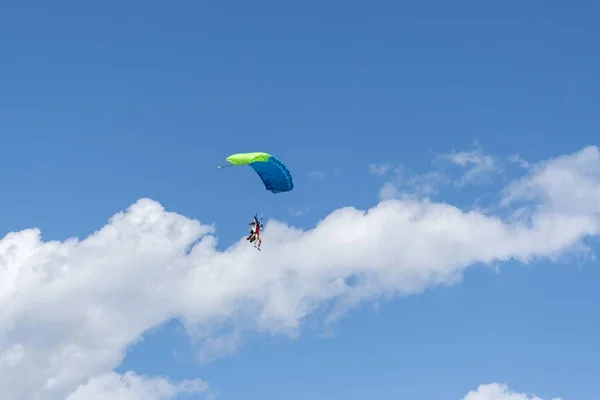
point(274, 174)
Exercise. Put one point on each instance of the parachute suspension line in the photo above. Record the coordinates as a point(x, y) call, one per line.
point(259, 219)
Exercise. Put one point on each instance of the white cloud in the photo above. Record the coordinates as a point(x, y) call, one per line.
point(566, 184)
point(403, 185)
point(317, 174)
point(479, 165)
point(427, 183)
point(497, 391)
point(112, 386)
point(389, 191)
point(479, 169)
point(69, 310)
point(298, 212)
point(517, 159)
point(416, 186)
point(379, 169)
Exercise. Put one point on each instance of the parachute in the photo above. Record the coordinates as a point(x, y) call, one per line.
point(274, 174)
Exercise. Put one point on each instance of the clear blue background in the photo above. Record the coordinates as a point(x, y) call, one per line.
point(104, 103)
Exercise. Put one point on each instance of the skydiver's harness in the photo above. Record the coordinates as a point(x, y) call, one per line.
point(255, 227)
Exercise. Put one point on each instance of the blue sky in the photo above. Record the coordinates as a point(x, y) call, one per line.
point(108, 103)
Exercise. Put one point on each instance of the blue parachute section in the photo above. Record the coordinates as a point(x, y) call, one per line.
point(274, 174)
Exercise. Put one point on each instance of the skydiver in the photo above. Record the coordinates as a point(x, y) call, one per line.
point(255, 227)
point(252, 229)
